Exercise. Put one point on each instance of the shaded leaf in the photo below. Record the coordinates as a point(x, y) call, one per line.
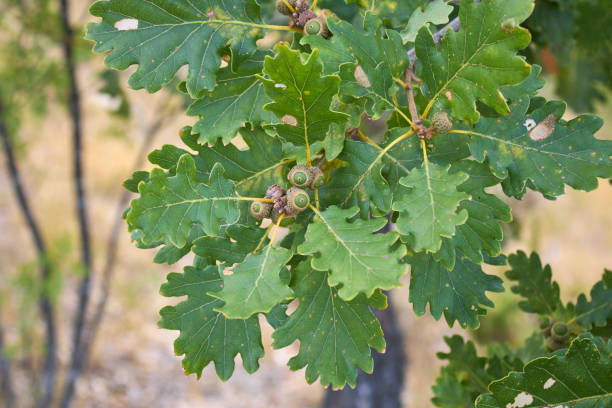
point(335, 335)
point(598, 310)
point(238, 242)
point(205, 335)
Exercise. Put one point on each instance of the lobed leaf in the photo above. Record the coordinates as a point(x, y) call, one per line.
point(434, 12)
point(356, 258)
point(473, 63)
point(206, 335)
point(597, 311)
point(335, 335)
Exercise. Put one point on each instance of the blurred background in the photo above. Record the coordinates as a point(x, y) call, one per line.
point(54, 93)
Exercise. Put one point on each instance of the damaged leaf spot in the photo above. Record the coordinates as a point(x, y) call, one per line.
point(127, 24)
point(281, 86)
point(361, 77)
point(289, 120)
point(530, 124)
point(449, 95)
point(549, 383)
point(544, 128)
point(521, 400)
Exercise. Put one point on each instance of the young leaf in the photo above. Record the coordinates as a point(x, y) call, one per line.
point(534, 283)
point(356, 257)
point(301, 97)
point(460, 294)
point(335, 335)
point(473, 63)
point(580, 378)
point(551, 154)
point(435, 12)
point(255, 285)
point(206, 335)
point(163, 36)
point(169, 205)
point(239, 98)
point(482, 230)
point(428, 207)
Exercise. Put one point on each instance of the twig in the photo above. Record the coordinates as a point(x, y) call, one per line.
point(76, 363)
point(6, 377)
point(46, 308)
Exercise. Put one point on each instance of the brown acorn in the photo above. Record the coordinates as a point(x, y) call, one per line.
point(275, 192)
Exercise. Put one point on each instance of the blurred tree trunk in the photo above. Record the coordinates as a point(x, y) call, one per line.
point(381, 389)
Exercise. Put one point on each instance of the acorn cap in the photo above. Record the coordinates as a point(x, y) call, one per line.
point(441, 123)
point(300, 176)
point(318, 179)
point(317, 26)
point(260, 210)
point(297, 200)
point(282, 7)
point(560, 332)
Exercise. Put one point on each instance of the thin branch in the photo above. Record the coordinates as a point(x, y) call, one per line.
point(76, 363)
point(46, 308)
point(6, 377)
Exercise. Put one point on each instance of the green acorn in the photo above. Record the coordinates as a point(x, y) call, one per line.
point(260, 210)
point(297, 200)
point(282, 7)
point(300, 176)
point(441, 123)
point(545, 325)
point(318, 179)
point(560, 332)
point(317, 26)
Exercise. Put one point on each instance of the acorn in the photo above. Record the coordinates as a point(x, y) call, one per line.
point(282, 7)
point(560, 332)
point(317, 178)
point(300, 176)
point(304, 17)
point(317, 26)
point(441, 123)
point(275, 192)
point(260, 210)
point(554, 345)
point(545, 325)
point(297, 200)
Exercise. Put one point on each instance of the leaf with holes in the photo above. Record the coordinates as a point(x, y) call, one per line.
point(460, 294)
point(206, 335)
point(255, 285)
point(548, 155)
point(162, 36)
point(473, 63)
point(429, 204)
point(358, 259)
point(169, 205)
point(335, 335)
point(239, 98)
point(580, 378)
point(301, 97)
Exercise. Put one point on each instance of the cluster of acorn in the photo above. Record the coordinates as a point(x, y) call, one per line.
point(556, 333)
point(303, 17)
point(290, 202)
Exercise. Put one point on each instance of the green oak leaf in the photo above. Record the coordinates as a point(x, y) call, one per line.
point(449, 391)
point(580, 378)
point(238, 242)
point(335, 335)
point(569, 155)
point(238, 98)
point(301, 96)
point(359, 182)
point(435, 12)
point(460, 294)
point(394, 13)
point(482, 230)
point(367, 61)
point(255, 285)
point(206, 335)
point(429, 205)
point(132, 183)
point(534, 284)
point(169, 205)
point(473, 63)
point(356, 257)
point(162, 36)
point(598, 310)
